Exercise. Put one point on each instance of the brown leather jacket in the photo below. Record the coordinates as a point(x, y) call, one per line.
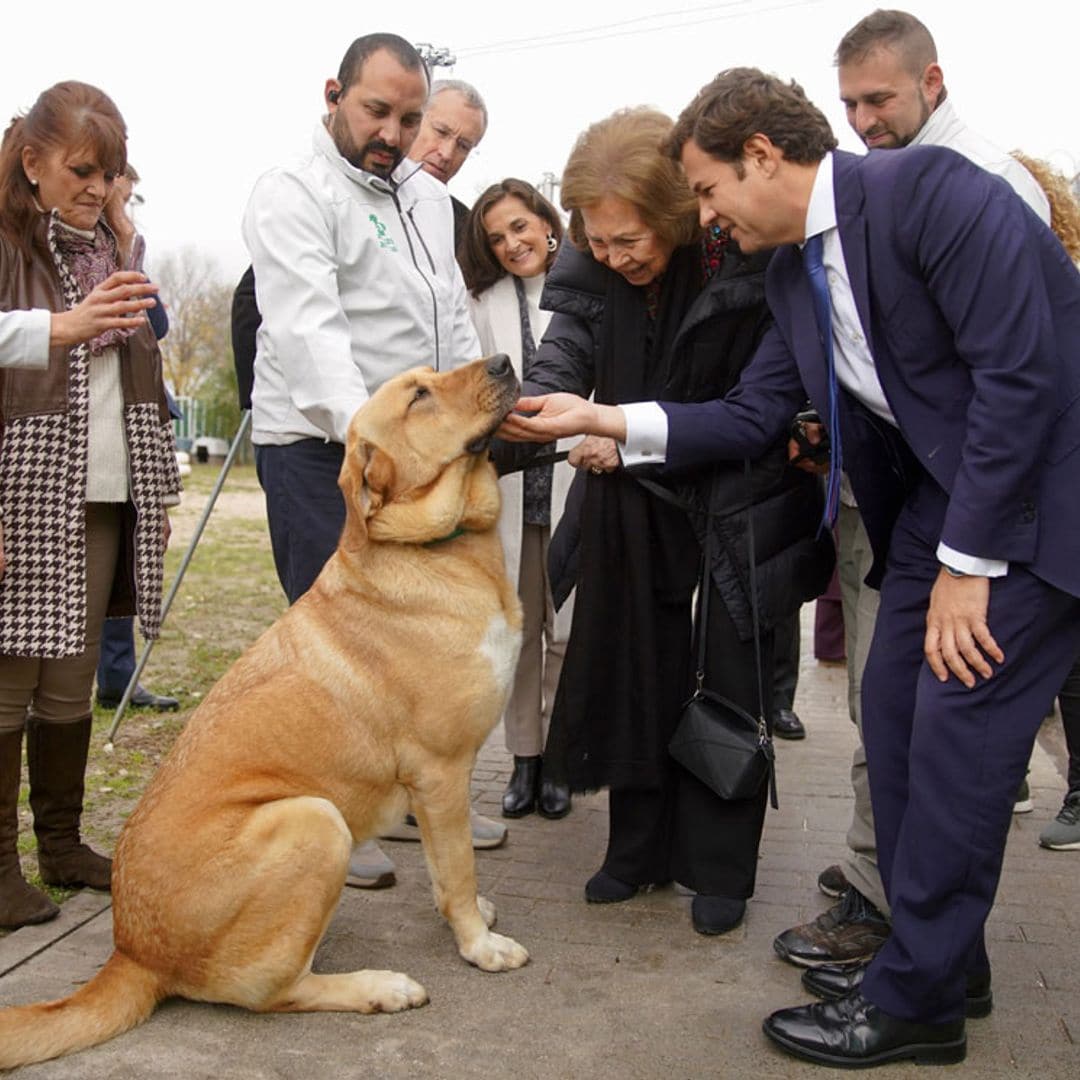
point(36, 284)
point(43, 456)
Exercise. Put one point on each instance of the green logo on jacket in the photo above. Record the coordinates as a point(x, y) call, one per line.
point(382, 235)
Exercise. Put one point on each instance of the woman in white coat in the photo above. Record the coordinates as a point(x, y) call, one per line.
point(510, 240)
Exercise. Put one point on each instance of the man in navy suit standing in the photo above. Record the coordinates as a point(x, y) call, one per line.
point(935, 322)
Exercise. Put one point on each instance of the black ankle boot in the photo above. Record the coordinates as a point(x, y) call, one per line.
point(519, 798)
point(554, 801)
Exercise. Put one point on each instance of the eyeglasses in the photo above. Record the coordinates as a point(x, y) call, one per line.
point(462, 146)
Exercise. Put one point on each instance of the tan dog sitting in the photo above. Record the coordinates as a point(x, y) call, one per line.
point(373, 692)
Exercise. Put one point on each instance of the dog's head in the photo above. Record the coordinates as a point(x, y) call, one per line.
point(416, 465)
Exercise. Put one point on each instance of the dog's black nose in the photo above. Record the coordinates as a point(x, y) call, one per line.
point(499, 366)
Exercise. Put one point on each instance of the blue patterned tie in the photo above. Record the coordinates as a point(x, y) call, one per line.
point(819, 288)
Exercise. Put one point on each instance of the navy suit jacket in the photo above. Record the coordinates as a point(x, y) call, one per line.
point(972, 312)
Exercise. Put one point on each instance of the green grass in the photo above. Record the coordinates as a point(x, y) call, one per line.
point(229, 595)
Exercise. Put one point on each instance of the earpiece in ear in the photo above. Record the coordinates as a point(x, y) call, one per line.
point(333, 96)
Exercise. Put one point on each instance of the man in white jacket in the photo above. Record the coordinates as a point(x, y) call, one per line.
point(355, 280)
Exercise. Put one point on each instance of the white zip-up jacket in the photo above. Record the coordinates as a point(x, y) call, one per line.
point(356, 280)
point(945, 128)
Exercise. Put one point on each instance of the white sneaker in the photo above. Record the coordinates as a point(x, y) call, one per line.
point(370, 867)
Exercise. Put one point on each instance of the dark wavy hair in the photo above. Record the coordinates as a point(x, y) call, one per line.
point(69, 116)
point(479, 266)
point(742, 102)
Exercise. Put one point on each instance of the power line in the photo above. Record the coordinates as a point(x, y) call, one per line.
point(628, 27)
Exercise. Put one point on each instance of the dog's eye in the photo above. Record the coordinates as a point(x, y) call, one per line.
point(420, 393)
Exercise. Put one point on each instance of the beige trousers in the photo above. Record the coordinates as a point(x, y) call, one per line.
point(528, 712)
point(860, 605)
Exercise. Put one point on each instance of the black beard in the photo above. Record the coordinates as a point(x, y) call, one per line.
point(356, 156)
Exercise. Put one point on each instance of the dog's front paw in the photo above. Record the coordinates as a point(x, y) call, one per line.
point(388, 991)
point(494, 952)
point(487, 911)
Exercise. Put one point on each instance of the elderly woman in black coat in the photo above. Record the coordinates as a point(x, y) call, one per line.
point(648, 307)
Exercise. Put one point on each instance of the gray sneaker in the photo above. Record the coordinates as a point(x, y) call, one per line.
point(485, 832)
point(1063, 833)
point(370, 867)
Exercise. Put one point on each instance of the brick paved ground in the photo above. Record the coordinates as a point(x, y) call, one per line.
point(625, 990)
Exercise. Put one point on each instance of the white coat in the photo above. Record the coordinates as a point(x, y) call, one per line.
point(498, 325)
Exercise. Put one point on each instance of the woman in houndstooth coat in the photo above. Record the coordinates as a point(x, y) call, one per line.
point(87, 468)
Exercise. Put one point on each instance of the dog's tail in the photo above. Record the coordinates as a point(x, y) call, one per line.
point(120, 996)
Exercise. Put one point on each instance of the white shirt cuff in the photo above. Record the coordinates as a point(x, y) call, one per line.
point(24, 338)
point(646, 434)
point(971, 564)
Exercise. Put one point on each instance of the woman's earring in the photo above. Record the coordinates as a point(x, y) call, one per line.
point(33, 183)
point(552, 243)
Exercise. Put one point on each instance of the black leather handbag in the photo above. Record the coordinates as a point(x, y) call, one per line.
point(716, 740)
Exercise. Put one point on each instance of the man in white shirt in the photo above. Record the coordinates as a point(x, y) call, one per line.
point(893, 91)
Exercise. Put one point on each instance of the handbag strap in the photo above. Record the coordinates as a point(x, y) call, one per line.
point(701, 616)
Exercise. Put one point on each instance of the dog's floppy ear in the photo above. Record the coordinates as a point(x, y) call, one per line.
point(367, 474)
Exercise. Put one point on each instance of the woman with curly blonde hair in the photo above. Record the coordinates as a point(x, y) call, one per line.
point(1064, 206)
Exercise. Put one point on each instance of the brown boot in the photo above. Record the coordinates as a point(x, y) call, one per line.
point(20, 904)
point(56, 754)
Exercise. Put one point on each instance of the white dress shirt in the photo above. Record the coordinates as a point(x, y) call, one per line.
point(24, 338)
point(646, 422)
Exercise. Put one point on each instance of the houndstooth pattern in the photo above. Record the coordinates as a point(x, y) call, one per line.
point(151, 480)
point(43, 591)
point(43, 495)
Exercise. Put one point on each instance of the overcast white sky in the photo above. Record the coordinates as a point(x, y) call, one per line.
point(214, 93)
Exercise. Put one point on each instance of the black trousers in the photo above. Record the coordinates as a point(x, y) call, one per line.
point(1069, 701)
point(681, 831)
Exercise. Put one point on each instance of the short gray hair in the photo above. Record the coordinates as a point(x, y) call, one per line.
point(467, 91)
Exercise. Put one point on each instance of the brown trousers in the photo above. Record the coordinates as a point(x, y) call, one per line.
point(58, 690)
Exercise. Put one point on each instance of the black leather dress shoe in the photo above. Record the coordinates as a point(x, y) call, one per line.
point(831, 981)
point(853, 1033)
point(519, 798)
point(141, 699)
point(554, 800)
point(786, 725)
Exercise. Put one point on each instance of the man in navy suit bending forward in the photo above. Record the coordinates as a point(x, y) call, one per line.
point(948, 375)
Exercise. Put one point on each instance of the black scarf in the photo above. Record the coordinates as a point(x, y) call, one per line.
point(615, 710)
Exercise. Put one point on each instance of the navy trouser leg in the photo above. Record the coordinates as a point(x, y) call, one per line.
point(116, 664)
point(945, 763)
point(304, 508)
